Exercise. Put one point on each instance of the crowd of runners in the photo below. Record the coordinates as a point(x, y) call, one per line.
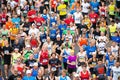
point(60, 39)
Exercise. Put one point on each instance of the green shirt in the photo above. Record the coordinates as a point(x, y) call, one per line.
point(27, 54)
point(102, 29)
point(65, 32)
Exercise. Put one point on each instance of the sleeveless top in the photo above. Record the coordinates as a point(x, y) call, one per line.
point(84, 76)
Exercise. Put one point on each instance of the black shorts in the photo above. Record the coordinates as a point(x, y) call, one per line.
point(118, 4)
point(66, 3)
point(45, 66)
point(112, 16)
point(71, 70)
point(6, 62)
point(62, 17)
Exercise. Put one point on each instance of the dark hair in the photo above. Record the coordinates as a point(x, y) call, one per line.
point(53, 54)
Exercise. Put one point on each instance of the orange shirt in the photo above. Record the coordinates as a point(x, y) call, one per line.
point(75, 6)
point(9, 25)
point(83, 41)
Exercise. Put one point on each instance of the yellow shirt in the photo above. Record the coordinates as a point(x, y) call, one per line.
point(111, 9)
point(13, 31)
point(15, 56)
point(62, 9)
point(112, 29)
point(87, 22)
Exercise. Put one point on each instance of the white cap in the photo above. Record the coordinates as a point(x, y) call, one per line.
point(35, 64)
point(28, 46)
point(58, 36)
point(28, 71)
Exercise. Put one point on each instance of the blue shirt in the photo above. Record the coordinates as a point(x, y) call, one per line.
point(43, 37)
point(52, 19)
point(62, 27)
point(53, 33)
point(95, 6)
point(45, 16)
point(115, 39)
point(34, 72)
point(16, 21)
point(90, 49)
point(29, 78)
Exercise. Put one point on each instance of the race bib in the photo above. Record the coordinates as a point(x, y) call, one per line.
point(103, 13)
point(93, 19)
point(111, 12)
point(77, 19)
point(6, 52)
point(25, 11)
point(31, 64)
point(43, 40)
point(95, 8)
point(16, 22)
point(3, 19)
point(45, 60)
point(38, 23)
point(54, 69)
point(73, 63)
point(52, 35)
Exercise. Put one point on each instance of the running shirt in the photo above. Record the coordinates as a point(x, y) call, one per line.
point(15, 56)
point(111, 9)
point(95, 6)
point(34, 43)
point(84, 75)
point(72, 59)
point(43, 37)
point(93, 17)
point(81, 56)
point(14, 32)
point(44, 57)
point(101, 47)
point(66, 53)
point(85, 7)
point(16, 21)
point(77, 17)
point(116, 72)
point(115, 50)
point(62, 9)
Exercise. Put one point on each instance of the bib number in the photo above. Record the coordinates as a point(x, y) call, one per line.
point(45, 60)
point(54, 69)
point(93, 19)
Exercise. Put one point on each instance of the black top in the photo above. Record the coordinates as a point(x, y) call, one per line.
point(13, 77)
point(54, 62)
point(29, 63)
point(7, 52)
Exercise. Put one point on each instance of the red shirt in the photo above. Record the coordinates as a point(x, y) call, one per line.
point(84, 76)
point(34, 42)
point(53, 3)
point(44, 57)
point(93, 17)
point(38, 21)
point(3, 17)
point(102, 12)
point(30, 14)
point(68, 20)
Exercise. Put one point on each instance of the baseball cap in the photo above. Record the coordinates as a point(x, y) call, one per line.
point(35, 64)
point(28, 71)
point(58, 36)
